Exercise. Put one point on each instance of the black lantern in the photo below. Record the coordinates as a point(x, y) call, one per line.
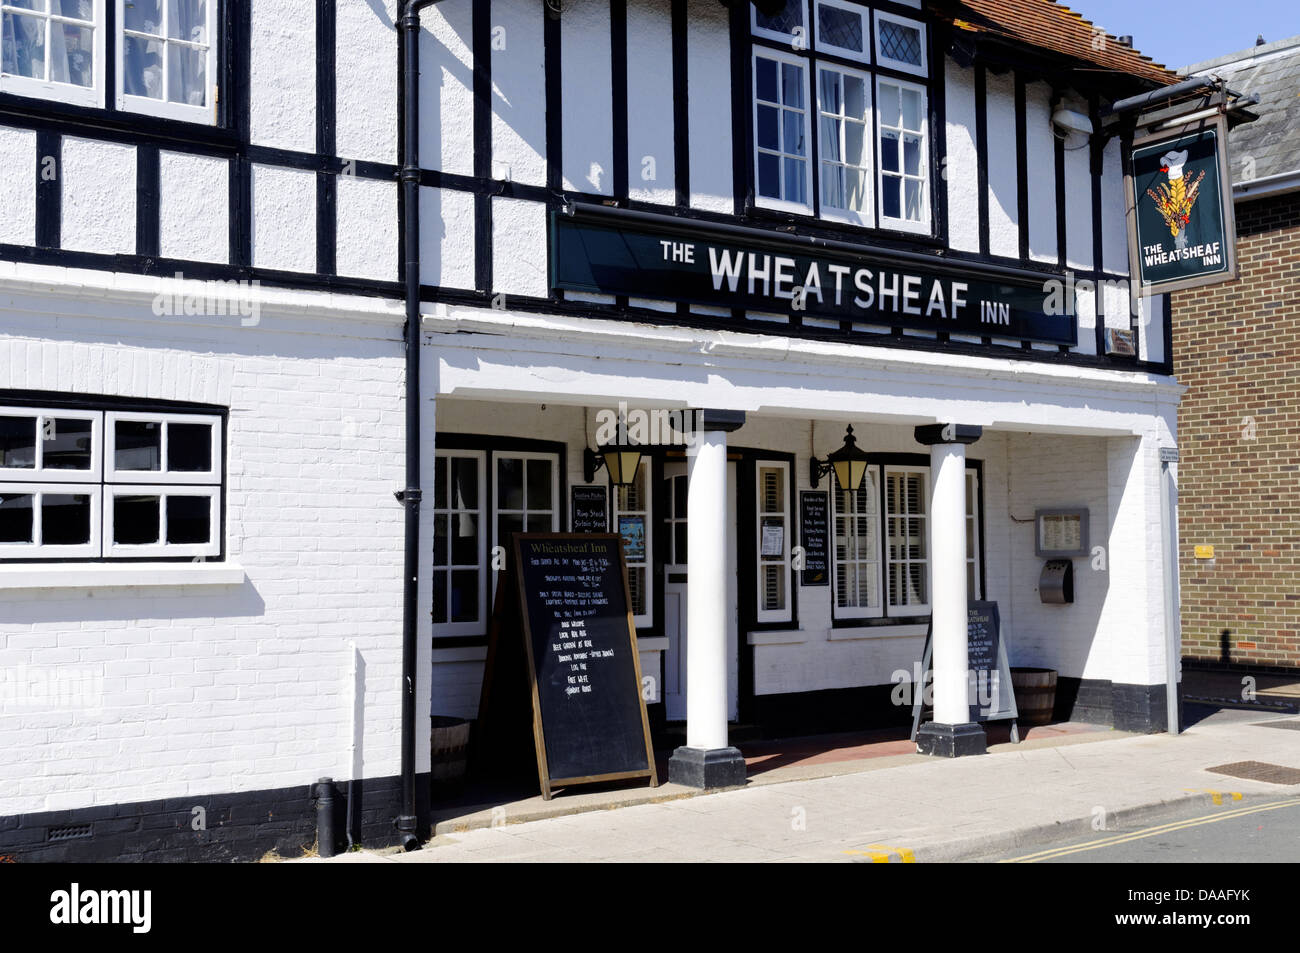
point(848, 462)
point(621, 461)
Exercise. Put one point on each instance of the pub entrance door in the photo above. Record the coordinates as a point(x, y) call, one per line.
point(677, 584)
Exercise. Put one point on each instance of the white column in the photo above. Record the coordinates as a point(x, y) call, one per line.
point(706, 609)
point(948, 583)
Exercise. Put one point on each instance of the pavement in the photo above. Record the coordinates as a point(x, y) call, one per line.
point(892, 808)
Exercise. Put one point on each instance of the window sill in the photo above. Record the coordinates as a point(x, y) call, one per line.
point(879, 632)
point(777, 637)
point(108, 575)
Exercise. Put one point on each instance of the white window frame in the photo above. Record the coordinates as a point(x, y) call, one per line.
point(49, 89)
point(164, 108)
point(888, 61)
point(162, 548)
point(646, 566)
point(922, 226)
point(863, 56)
point(972, 522)
point(163, 475)
point(480, 625)
point(773, 34)
point(867, 218)
point(804, 65)
point(41, 474)
point(785, 614)
point(38, 549)
point(494, 511)
point(874, 492)
point(913, 608)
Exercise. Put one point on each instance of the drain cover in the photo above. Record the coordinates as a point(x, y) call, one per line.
point(1259, 771)
point(1291, 725)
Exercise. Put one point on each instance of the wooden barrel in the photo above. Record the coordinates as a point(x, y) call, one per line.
point(1035, 694)
point(449, 747)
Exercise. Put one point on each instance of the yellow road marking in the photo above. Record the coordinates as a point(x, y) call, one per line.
point(1216, 796)
point(881, 854)
point(1148, 832)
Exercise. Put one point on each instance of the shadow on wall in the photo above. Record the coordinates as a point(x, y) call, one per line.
point(1225, 645)
point(138, 607)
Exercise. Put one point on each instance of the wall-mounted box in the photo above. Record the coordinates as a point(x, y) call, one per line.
point(1056, 584)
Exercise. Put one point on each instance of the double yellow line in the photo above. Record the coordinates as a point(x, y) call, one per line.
point(1149, 832)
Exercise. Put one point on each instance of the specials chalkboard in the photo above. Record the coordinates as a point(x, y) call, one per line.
point(814, 537)
point(991, 696)
point(589, 509)
point(565, 604)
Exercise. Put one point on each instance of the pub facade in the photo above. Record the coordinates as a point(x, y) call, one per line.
point(676, 263)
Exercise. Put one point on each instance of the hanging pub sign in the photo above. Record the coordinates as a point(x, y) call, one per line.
point(1182, 231)
point(654, 256)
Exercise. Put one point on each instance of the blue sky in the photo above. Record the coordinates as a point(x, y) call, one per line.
point(1189, 31)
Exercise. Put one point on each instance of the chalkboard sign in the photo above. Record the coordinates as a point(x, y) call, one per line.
point(589, 509)
point(814, 537)
point(992, 696)
point(565, 604)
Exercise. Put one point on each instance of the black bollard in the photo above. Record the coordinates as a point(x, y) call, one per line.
point(325, 817)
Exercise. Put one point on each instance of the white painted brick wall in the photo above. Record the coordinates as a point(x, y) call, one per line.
point(217, 689)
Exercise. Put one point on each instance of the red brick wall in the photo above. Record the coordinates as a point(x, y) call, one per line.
point(1237, 348)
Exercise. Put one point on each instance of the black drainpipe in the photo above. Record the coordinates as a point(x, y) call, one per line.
point(409, 134)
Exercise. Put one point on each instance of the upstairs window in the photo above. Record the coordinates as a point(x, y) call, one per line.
point(165, 53)
point(859, 75)
point(53, 49)
point(167, 58)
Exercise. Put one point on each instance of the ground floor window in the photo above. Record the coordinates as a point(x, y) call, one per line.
point(772, 524)
point(632, 513)
point(80, 482)
point(881, 542)
point(484, 491)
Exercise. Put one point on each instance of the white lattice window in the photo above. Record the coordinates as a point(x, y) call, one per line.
point(855, 515)
point(167, 58)
point(53, 49)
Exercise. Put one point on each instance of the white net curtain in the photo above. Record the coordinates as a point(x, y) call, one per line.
point(49, 40)
point(165, 50)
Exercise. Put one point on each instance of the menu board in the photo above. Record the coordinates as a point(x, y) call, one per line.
point(589, 509)
point(992, 697)
point(568, 598)
point(814, 535)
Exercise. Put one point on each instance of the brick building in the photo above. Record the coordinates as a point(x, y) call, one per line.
point(1237, 348)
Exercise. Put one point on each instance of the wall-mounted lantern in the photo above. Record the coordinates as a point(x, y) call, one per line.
point(621, 461)
point(848, 462)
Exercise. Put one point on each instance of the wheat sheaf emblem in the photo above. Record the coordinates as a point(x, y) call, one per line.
point(1175, 199)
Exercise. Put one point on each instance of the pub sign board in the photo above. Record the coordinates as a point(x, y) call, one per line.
point(673, 260)
point(1182, 230)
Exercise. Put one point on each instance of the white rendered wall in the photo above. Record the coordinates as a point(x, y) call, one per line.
point(518, 92)
point(519, 247)
point(282, 81)
point(367, 229)
point(1040, 166)
point(17, 192)
point(587, 137)
point(193, 207)
point(284, 218)
point(962, 168)
point(99, 191)
point(446, 238)
point(215, 689)
point(650, 103)
point(366, 57)
point(708, 68)
point(1004, 213)
point(447, 88)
